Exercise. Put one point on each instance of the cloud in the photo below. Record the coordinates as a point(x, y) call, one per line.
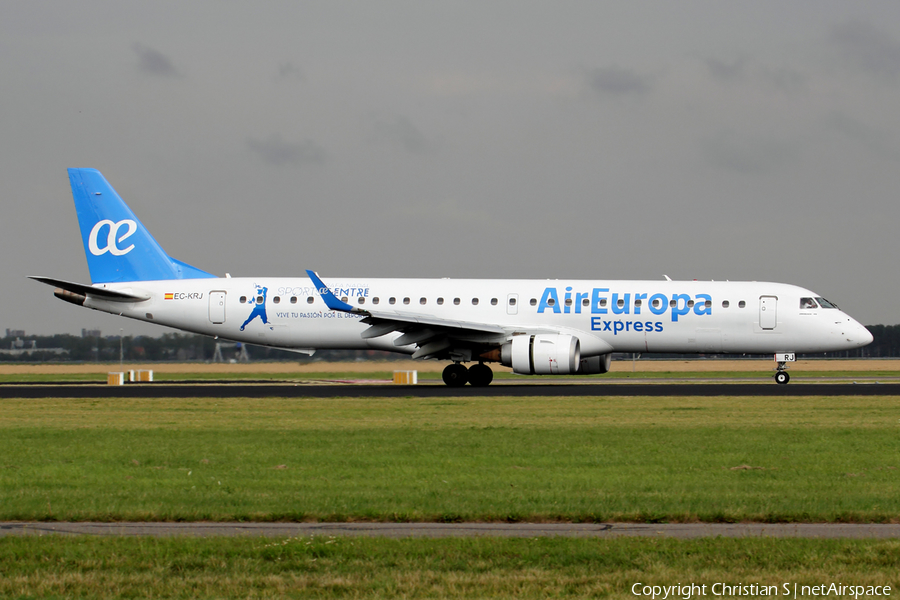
point(618, 82)
point(154, 62)
point(277, 152)
point(288, 70)
point(785, 80)
point(747, 155)
point(743, 70)
point(399, 132)
point(873, 140)
point(867, 48)
point(722, 71)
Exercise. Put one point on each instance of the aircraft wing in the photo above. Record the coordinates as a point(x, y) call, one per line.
point(430, 333)
point(85, 290)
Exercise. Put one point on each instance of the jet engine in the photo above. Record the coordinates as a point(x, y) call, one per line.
point(543, 354)
point(595, 365)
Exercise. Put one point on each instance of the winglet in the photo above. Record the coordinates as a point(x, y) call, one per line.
point(330, 299)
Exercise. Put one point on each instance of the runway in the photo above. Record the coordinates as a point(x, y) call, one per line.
point(437, 390)
point(446, 530)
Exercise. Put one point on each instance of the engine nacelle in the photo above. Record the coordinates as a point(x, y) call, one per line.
point(595, 365)
point(543, 354)
point(70, 296)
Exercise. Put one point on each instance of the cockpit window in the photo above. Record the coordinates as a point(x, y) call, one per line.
point(808, 303)
point(825, 303)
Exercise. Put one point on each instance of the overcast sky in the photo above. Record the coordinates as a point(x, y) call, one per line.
point(702, 140)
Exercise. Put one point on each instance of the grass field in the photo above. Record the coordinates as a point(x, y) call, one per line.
point(575, 459)
point(489, 459)
point(448, 568)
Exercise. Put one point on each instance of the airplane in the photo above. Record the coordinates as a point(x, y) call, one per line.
point(534, 326)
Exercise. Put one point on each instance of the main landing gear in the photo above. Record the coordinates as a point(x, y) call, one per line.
point(457, 375)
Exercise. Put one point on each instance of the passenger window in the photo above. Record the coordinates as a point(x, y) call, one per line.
point(310, 299)
point(551, 302)
point(440, 301)
point(375, 300)
point(656, 302)
point(708, 304)
point(474, 301)
point(742, 304)
point(260, 299)
point(603, 302)
point(533, 302)
point(725, 304)
point(361, 300)
point(569, 301)
point(392, 300)
point(673, 303)
point(585, 302)
point(243, 299)
point(456, 301)
point(276, 299)
point(422, 300)
point(493, 302)
point(637, 302)
point(344, 299)
point(512, 301)
point(690, 304)
point(808, 303)
point(406, 301)
point(620, 302)
point(293, 299)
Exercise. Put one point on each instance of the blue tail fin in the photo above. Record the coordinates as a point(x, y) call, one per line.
point(118, 247)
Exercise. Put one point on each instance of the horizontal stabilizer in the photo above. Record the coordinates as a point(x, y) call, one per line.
point(89, 290)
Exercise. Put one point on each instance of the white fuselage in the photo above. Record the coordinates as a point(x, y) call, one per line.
point(620, 316)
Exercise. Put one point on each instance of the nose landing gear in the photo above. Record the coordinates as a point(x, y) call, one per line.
point(781, 375)
point(457, 375)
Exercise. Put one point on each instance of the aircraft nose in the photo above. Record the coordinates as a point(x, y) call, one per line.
point(866, 336)
point(857, 334)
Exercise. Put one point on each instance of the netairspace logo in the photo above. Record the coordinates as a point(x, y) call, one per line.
point(686, 592)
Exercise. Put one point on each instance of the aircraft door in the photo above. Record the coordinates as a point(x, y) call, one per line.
point(512, 304)
point(768, 312)
point(217, 307)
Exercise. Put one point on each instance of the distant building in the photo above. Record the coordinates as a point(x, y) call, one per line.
point(87, 333)
point(15, 333)
point(19, 346)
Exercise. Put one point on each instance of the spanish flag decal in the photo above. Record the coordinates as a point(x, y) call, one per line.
point(170, 296)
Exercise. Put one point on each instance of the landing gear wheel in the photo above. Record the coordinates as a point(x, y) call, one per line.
point(480, 375)
point(781, 377)
point(455, 375)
